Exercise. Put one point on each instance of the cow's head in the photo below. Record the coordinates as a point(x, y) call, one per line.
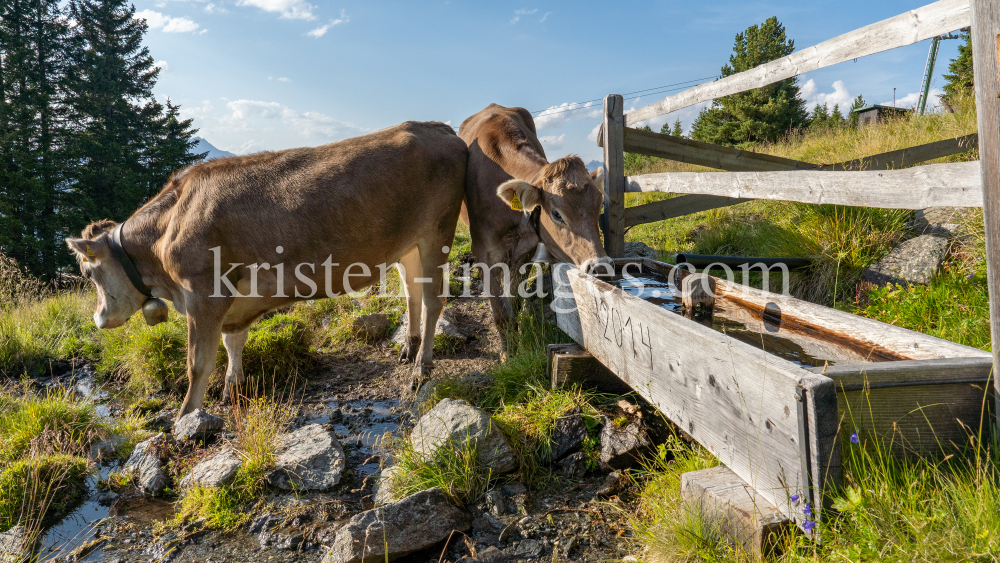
point(570, 199)
point(117, 298)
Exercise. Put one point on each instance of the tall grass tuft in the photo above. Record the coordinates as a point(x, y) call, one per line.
point(36, 333)
point(150, 359)
point(36, 489)
point(52, 422)
point(456, 469)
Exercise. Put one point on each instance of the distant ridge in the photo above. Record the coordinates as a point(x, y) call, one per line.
point(213, 152)
point(594, 165)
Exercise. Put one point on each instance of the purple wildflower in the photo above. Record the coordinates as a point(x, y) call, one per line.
point(808, 526)
point(794, 498)
point(854, 438)
point(807, 510)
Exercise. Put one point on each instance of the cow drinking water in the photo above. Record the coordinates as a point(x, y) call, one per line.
point(230, 239)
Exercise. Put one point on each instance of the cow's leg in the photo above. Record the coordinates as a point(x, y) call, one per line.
point(204, 332)
point(409, 270)
point(234, 342)
point(431, 259)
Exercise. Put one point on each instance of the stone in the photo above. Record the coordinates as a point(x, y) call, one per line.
point(145, 464)
point(374, 326)
point(105, 449)
point(457, 423)
point(529, 549)
point(612, 484)
point(944, 221)
point(573, 466)
point(514, 488)
point(215, 471)
point(623, 447)
point(492, 555)
point(640, 250)
point(912, 262)
point(310, 458)
point(263, 523)
point(726, 505)
point(495, 503)
point(568, 434)
point(197, 425)
point(412, 524)
point(424, 395)
point(162, 422)
point(385, 494)
point(14, 546)
point(447, 325)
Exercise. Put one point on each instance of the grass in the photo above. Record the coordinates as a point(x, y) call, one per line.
point(53, 421)
point(256, 423)
point(456, 469)
point(36, 333)
point(36, 489)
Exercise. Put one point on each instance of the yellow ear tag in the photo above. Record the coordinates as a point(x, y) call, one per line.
point(515, 204)
point(90, 252)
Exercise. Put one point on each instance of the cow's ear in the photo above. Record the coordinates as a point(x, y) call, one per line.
point(598, 177)
point(520, 195)
point(87, 250)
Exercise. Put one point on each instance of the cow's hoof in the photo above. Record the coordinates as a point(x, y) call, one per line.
point(410, 349)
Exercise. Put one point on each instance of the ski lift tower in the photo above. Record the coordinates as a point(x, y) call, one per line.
point(929, 67)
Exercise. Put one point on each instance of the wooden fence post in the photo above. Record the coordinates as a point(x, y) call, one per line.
point(614, 180)
point(985, 47)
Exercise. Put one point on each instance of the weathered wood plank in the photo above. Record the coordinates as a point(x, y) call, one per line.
point(614, 178)
point(734, 160)
point(736, 400)
point(954, 184)
point(570, 364)
point(676, 207)
point(986, 66)
point(904, 29)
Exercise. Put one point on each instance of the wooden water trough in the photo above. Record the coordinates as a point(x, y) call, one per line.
point(780, 425)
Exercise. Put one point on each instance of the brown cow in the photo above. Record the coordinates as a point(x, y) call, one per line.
point(231, 239)
point(506, 160)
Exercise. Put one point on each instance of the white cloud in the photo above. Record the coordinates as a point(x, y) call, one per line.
point(321, 30)
point(156, 20)
point(250, 115)
point(211, 8)
point(523, 12)
point(557, 115)
point(592, 136)
point(545, 17)
point(290, 9)
point(552, 142)
point(840, 96)
point(911, 100)
point(284, 79)
point(162, 65)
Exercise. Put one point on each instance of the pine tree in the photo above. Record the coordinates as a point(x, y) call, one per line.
point(960, 79)
point(121, 125)
point(819, 117)
point(859, 103)
point(763, 114)
point(836, 118)
point(678, 129)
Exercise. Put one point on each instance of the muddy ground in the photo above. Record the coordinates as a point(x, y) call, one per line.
point(363, 392)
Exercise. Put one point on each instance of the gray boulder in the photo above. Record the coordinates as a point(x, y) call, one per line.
point(623, 447)
point(568, 435)
point(945, 221)
point(414, 523)
point(215, 471)
point(197, 425)
point(374, 326)
point(310, 458)
point(14, 545)
point(145, 464)
point(912, 262)
point(447, 325)
point(640, 250)
point(455, 422)
point(385, 493)
point(573, 466)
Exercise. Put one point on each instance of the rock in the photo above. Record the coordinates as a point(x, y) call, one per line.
point(640, 250)
point(412, 524)
point(374, 326)
point(492, 555)
point(944, 221)
point(262, 524)
point(197, 425)
point(912, 262)
point(612, 483)
point(385, 494)
point(424, 395)
point(162, 422)
point(310, 458)
point(569, 433)
point(447, 325)
point(105, 449)
point(573, 466)
point(145, 463)
point(622, 448)
point(495, 503)
point(457, 422)
point(529, 549)
point(14, 546)
point(514, 488)
point(218, 470)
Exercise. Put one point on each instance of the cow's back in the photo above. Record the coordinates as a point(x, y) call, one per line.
point(364, 199)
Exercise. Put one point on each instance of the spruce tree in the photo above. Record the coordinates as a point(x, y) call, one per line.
point(836, 118)
point(678, 129)
point(819, 117)
point(859, 103)
point(763, 114)
point(960, 80)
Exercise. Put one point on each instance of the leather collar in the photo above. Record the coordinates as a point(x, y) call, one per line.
point(118, 251)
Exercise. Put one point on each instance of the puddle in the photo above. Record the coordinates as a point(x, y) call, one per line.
point(361, 425)
point(78, 527)
point(662, 293)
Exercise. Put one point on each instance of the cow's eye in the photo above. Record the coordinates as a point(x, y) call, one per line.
point(557, 217)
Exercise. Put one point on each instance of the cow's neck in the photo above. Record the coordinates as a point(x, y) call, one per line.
point(140, 235)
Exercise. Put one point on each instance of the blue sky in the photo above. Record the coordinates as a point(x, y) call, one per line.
point(273, 74)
